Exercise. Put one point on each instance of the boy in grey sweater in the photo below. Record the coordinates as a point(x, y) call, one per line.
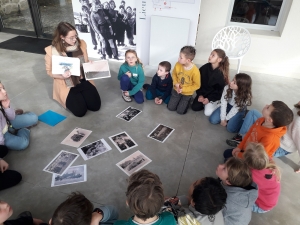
point(241, 191)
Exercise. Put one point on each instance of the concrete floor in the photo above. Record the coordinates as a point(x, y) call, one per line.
point(193, 150)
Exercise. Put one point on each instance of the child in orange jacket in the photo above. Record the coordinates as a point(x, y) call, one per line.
point(267, 130)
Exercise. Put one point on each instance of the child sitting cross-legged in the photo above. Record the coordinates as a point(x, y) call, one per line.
point(145, 198)
point(266, 130)
point(266, 175)
point(78, 210)
point(242, 193)
point(161, 86)
point(203, 205)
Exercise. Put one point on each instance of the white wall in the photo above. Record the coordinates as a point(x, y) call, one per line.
point(270, 55)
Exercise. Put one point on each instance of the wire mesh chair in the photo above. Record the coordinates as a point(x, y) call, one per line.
point(235, 41)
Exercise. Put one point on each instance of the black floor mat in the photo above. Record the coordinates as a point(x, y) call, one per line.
point(26, 44)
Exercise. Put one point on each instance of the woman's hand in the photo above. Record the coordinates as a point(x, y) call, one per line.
point(3, 165)
point(5, 103)
point(66, 74)
point(223, 123)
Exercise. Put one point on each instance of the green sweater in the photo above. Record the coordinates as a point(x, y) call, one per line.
point(137, 78)
point(165, 218)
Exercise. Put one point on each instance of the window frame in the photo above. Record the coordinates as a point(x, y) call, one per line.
point(280, 20)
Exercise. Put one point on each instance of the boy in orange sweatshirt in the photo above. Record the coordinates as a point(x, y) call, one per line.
point(266, 130)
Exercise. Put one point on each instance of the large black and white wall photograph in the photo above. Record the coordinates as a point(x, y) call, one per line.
point(108, 27)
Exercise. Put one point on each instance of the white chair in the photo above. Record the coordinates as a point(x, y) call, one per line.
point(235, 41)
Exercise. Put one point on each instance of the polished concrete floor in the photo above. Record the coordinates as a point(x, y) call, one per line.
point(193, 150)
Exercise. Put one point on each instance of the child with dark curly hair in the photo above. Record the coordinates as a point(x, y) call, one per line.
point(236, 97)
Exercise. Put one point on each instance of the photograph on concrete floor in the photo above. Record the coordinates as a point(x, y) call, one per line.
point(76, 137)
point(94, 149)
point(161, 133)
point(133, 163)
point(123, 141)
point(128, 114)
point(73, 175)
point(61, 162)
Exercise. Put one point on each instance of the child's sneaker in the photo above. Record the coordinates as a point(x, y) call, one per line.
point(234, 142)
point(126, 98)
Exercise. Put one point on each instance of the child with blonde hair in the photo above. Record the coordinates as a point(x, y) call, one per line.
point(265, 174)
point(131, 76)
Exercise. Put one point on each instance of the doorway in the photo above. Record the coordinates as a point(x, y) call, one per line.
point(36, 18)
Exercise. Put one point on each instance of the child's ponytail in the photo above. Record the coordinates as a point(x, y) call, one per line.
point(224, 64)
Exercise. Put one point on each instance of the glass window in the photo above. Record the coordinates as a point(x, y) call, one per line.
point(16, 15)
point(257, 12)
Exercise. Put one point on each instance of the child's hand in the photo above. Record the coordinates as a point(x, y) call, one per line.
point(128, 74)
point(205, 101)
point(223, 123)
point(96, 218)
point(158, 101)
point(179, 90)
point(236, 151)
point(3, 165)
point(200, 98)
point(126, 93)
point(5, 103)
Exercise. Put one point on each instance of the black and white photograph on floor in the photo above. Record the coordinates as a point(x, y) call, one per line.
point(96, 70)
point(133, 163)
point(75, 174)
point(123, 141)
point(129, 114)
point(161, 133)
point(76, 137)
point(61, 162)
point(108, 27)
point(94, 149)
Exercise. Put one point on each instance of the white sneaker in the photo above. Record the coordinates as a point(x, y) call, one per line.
point(126, 98)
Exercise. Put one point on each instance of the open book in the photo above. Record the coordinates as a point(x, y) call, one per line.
point(96, 70)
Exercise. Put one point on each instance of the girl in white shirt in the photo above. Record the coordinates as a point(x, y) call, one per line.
point(236, 97)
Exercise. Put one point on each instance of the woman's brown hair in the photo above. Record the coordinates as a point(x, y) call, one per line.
point(133, 52)
point(243, 94)
point(63, 28)
point(224, 64)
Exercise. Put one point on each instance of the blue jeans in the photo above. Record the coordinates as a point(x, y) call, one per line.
point(126, 85)
point(20, 141)
point(256, 209)
point(234, 124)
point(149, 95)
point(249, 120)
point(280, 152)
point(110, 214)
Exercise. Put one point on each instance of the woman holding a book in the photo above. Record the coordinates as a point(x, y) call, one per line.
point(72, 92)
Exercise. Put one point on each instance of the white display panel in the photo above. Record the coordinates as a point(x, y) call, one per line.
point(168, 35)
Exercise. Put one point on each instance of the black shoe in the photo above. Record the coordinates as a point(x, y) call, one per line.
point(131, 43)
point(146, 86)
point(234, 142)
point(110, 56)
point(116, 57)
point(95, 47)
